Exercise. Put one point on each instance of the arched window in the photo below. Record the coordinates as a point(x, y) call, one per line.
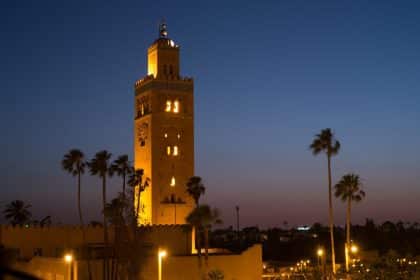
point(176, 106)
point(168, 106)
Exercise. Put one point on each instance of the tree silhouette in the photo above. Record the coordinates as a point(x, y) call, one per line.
point(17, 212)
point(325, 142)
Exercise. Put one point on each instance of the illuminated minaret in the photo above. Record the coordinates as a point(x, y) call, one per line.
point(164, 134)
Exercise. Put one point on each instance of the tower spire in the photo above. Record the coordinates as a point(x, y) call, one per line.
point(163, 33)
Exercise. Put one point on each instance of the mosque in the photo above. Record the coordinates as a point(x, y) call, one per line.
point(164, 148)
point(164, 134)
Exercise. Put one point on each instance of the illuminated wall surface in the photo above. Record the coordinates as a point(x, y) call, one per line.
point(164, 135)
point(245, 266)
point(55, 242)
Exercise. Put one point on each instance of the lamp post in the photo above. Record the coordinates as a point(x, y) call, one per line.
point(161, 254)
point(349, 248)
point(319, 253)
point(321, 261)
point(68, 258)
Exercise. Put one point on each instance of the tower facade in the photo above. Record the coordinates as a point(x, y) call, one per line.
point(164, 135)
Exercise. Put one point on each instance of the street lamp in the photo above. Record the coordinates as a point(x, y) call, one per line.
point(161, 254)
point(68, 258)
point(354, 249)
point(321, 264)
point(320, 252)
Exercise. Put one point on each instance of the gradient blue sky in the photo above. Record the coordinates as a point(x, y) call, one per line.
point(268, 76)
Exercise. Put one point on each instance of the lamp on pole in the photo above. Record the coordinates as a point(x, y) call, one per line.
point(68, 258)
point(321, 260)
point(161, 254)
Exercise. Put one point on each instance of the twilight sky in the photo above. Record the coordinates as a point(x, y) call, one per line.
point(268, 76)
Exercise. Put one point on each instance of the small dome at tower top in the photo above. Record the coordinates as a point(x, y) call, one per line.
point(163, 36)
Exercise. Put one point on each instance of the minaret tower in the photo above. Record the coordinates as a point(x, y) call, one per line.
point(164, 134)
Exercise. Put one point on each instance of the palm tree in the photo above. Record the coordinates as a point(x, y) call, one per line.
point(100, 166)
point(74, 163)
point(348, 189)
point(325, 142)
point(122, 167)
point(195, 188)
point(202, 218)
point(17, 212)
point(114, 213)
point(136, 182)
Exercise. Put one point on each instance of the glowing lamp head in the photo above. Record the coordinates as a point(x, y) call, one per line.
point(68, 258)
point(162, 253)
point(354, 249)
point(320, 252)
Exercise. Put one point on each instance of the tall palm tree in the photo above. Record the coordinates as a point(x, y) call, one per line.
point(203, 218)
point(17, 212)
point(114, 213)
point(139, 185)
point(74, 163)
point(195, 188)
point(325, 142)
point(100, 166)
point(348, 189)
point(123, 168)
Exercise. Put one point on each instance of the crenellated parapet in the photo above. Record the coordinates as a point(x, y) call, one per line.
point(150, 79)
point(159, 227)
point(49, 227)
point(176, 84)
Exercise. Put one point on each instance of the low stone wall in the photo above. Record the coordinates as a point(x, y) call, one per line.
point(245, 266)
point(54, 241)
point(46, 268)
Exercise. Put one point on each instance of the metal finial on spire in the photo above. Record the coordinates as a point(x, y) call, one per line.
point(163, 33)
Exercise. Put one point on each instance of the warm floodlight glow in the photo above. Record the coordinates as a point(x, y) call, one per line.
point(320, 252)
point(354, 249)
point(68, 258)
point(166, 135)
point(176, 106)
point(173, 181)
point(175, 150)
point(168, 150)
point(168, 106)
point(162, 253)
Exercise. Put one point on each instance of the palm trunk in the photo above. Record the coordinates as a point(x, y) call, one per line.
point(206, 244)
point(123, 187)
point(198, 235)
point(347, 248)
point(331, 217)
point(105, 228)
point(198, 240)
point(138, 205)
point(82, 225)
